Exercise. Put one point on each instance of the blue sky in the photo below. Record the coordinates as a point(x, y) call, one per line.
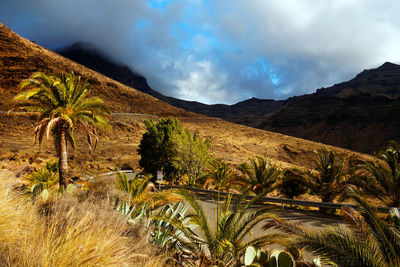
point(222, 51)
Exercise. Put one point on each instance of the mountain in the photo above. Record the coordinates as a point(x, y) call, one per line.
point(246, 112)
point(19, 58)
point(360, 114)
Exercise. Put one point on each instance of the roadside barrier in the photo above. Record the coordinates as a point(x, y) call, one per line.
point(276, 200)
point(262, 200)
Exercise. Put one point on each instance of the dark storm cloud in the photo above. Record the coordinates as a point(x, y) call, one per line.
point(222, 51)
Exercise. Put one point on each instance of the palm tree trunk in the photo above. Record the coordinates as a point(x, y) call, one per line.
point(63, 160)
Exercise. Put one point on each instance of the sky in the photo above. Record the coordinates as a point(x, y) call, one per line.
point(222, 51)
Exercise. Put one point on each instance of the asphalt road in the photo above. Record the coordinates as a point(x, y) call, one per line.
point(309, 219)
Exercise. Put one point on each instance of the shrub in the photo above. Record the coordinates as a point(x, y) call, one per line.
point(169, 147)
point(155, 148)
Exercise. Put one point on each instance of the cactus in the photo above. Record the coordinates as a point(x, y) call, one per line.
point(250, 255)
point(281, 259)
point(285, 259)
point(260, 257)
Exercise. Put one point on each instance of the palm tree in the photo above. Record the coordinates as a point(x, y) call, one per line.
point(380, 179)
point(327, 180)
point(261, 175)
point(224, 243)
point(221, 176)
point(63, 106)
point(367, 240)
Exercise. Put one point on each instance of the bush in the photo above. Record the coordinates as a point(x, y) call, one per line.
point(292, 184)
point(169, 147)
point(155, 148)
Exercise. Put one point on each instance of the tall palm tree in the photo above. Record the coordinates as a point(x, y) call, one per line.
point(261, 175)
point(367, 240)
point(327, 180)
point(380, 179)
point(63, 106)
point(224, 242)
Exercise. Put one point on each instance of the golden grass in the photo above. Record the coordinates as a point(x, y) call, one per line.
point(66, 232)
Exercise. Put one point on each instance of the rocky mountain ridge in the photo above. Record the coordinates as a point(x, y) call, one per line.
point(359, 114)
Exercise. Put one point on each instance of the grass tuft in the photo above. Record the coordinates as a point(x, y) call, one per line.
point(66, 232)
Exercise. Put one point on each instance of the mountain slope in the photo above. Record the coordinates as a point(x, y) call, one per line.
point(234, 143)
point(362, 114)
point(245, 112)
point(19, 58)
point(359, 114)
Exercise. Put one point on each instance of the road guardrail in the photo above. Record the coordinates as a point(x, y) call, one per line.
point(276, 200)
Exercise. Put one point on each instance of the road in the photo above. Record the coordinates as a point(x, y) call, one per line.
point(310, 219)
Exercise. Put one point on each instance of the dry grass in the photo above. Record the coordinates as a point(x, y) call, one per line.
point(65, 232)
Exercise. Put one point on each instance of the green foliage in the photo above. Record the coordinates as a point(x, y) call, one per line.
point(42, 180)
point(156, 148)
point(168, 146)
point(130, 201)
point(261, 175)
point(133, 213)
point(292, 184)
point(366, 240)
point(380, 179)
point(221, 176)
point(328, 179)
point(52, 166)
point(225, 243)
point(190, 154)
point(134, 187)
point(163, 234)
point(63, 107)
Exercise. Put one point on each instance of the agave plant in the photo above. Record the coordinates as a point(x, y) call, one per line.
point(223, 244)
point(261, 175)
point(163, 234)
point(380, 179)
point(366, 239)
point(134, 200)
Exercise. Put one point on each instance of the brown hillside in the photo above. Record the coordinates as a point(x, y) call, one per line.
point(20, 57)
point(235, 143)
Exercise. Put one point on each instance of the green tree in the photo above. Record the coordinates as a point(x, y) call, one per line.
point(156, 147)
point(190, 154)
point(380, 179)
point(367, 241)
point(63, 106)
point(261, 175)
point(168, 146)
point(327, 180)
